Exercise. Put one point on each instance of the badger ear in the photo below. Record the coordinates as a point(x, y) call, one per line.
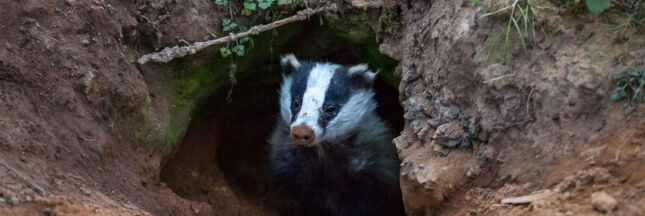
point(363, 72)
point(289, 63)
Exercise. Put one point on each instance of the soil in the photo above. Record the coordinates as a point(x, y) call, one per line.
point(549, 124)
point(73, 104)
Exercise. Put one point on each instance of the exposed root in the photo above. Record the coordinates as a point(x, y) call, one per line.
point(528, 198)
point(168, 54)
point(528, 104)
point(24, 177)
point(498, 78)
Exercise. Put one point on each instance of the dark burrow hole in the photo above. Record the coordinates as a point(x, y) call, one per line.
point(223, 158)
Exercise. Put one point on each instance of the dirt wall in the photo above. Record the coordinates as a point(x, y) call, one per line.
point(479, 130)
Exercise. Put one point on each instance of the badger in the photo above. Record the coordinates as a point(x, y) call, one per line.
point(329, 149)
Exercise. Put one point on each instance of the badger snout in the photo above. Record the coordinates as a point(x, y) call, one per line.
point(302, 135)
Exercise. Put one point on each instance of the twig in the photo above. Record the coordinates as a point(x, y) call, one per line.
point(498, 78)
point(528, 101)
point(24, 177)
point(168, 54)
point(528, 198)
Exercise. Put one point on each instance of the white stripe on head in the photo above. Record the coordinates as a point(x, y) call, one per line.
point(285, 99)
point(351, 113)
point(314, 97)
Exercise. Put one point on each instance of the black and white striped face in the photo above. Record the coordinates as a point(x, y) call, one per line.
point(322, 101)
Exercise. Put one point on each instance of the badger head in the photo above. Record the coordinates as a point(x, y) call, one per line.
point(324, 101)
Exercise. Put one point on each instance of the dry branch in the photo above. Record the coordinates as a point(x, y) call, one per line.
point(168, 54)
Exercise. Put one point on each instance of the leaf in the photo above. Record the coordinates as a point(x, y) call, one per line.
point(226, 21)
point(239, 50)
point(246, 12)
point(618, 93)
point(244, 39)
point(264, 4)
point(576, 1)
point(597, 6)
point(225, 52)
point(221, 2)
point(230, 27)
point(250, 6)
point(284, 2)
point(519, 31)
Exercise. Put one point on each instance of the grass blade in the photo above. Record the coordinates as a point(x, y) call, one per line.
point(519, 31)
point(491, 13)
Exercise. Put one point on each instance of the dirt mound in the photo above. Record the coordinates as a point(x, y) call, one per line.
point(71, 103)
point(542, 121)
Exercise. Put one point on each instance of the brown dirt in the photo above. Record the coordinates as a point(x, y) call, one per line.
point(551, 125)
point(70, 99)
point(72, 105)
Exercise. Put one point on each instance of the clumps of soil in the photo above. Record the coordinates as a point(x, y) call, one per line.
point(543, 122)
point(73, 103)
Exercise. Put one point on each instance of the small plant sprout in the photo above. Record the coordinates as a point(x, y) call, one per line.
point(250, 5)
point(629, 85)
point(596, 6)
point(225, 52)
point(264, 4)
point(526, 17)
point(228, 25)
point(239, 50)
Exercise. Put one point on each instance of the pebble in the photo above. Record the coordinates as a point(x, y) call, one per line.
point(603, 202)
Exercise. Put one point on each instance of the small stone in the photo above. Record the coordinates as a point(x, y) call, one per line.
point(487, 152)
point(473, 171)
point(85, 192)
point(85, 42)
point(603, 202)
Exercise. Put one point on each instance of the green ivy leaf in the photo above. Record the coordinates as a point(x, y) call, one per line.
point(225, 52)
point(239, 50)
point(597, 6)
point(576, 1)
point(221, 2)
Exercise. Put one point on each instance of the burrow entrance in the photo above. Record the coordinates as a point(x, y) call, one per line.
point(223, 158)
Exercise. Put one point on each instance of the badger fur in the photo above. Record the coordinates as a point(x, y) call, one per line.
point(329, 149)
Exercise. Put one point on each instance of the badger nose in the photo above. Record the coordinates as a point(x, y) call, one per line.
point(302, 135)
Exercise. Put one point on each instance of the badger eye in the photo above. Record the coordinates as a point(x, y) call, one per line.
point(296, 104)
point(329, 109)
